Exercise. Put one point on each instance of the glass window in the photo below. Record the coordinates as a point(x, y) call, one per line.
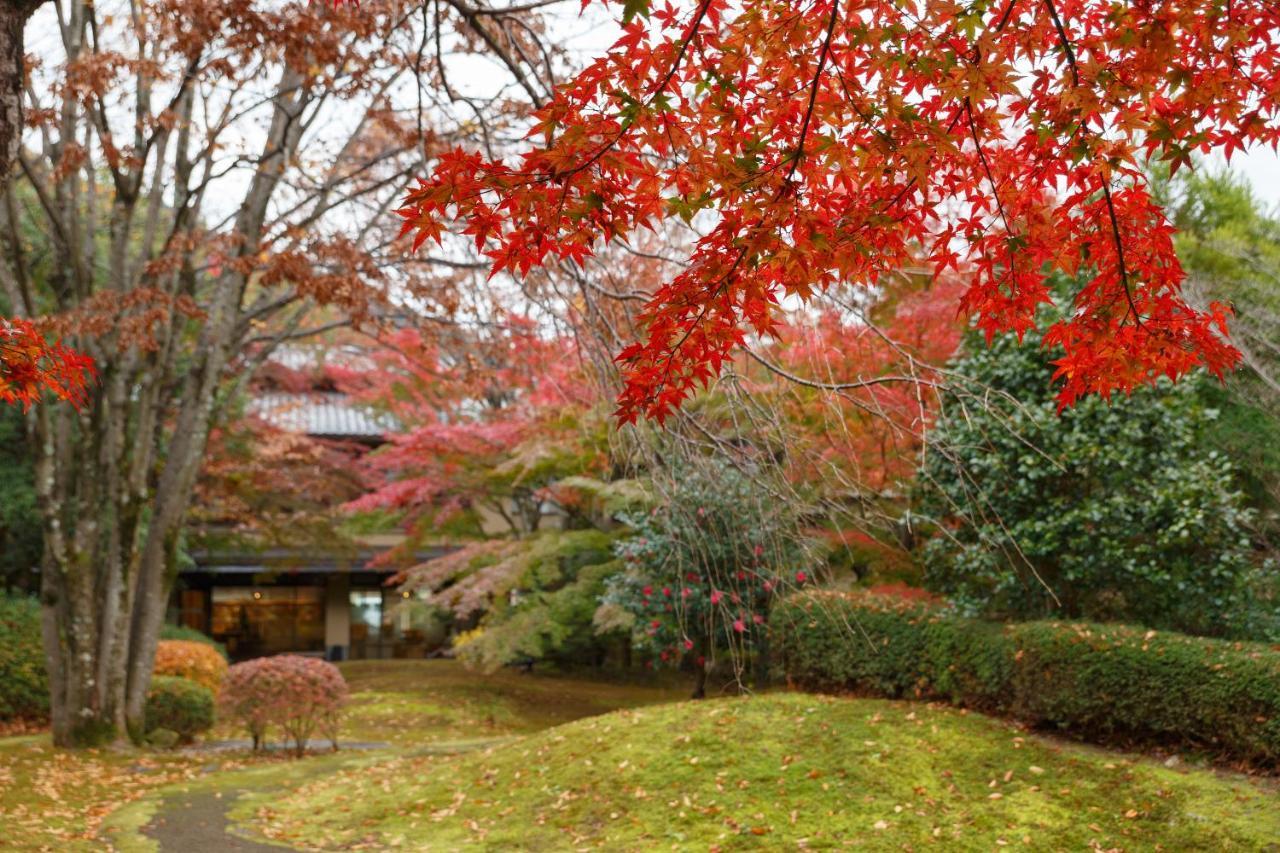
point(366, 613)
point(268, 620)
point(191, 611)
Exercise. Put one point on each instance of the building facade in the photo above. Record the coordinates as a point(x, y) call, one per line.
point(282, 600)
point(331, 599)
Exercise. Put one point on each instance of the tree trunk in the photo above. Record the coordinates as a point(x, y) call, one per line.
point(13, 18)
point(700, 681)
point(128, 240)
point(762, 661)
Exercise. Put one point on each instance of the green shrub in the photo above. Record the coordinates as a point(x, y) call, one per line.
point(704, 566)
point(24, 684)
point(1109, 683)
point(1115, 681)
point(180, 705)
point(191, 635)
point(1111, 510)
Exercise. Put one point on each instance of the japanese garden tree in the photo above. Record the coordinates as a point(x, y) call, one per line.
point(1230, 246)
point(834, 141)
point(201, 176)
point(703, 566)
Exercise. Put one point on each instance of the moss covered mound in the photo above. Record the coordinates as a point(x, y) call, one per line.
point(775, 770)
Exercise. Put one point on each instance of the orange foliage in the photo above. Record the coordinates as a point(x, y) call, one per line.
point(30, 366)
point(195, 661)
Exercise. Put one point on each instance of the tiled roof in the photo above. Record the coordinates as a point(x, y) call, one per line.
point(327, 414)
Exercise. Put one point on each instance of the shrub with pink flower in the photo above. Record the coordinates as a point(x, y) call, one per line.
point(705, 567)
point(298, 695)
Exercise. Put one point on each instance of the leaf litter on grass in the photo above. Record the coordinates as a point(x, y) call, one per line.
point(777, 770)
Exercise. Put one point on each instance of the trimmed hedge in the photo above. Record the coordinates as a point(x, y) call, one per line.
point(1110, 683)
point(24, 684)
point(179, 705)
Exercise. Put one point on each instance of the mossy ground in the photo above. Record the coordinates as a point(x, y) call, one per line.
point(778, 771)
point(53, 799)
point(499, 763)
point(412, 703)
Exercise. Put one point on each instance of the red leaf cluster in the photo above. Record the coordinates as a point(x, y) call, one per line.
point(31, 366)
point(477, 414)
point(834, 141)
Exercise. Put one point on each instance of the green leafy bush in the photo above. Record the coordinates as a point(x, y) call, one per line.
point(528, 599)
point(1111, 683)
point(191, 635)
point(179, 705)
point(550, 617)
point(24, 684)
point(1114, 510)
point(703, 568)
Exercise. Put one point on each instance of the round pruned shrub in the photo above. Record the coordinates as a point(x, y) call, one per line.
point(24, 684)
point(299, 695)
point(170, 631)
point(179, 705)
point(199, 662)
point(246, 698)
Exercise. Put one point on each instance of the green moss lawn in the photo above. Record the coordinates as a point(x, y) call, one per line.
point(516, 761)
point(782, 769)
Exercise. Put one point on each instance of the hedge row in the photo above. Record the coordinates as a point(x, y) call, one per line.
point(1110, 683)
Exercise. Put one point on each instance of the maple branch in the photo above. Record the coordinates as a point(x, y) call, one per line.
point(482, 12)
point(1106, 188)
point(1065, 42)
point(995, 190)
point(295, 335)
point(813, 89)
point(473, 21)
point(653, 95)
point(891, 379)
point(684, 48)
point(1115, 236)
point(795, 161)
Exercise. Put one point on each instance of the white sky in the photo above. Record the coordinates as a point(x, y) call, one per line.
point(1262, 167)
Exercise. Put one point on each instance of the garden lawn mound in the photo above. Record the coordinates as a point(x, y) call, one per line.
point(777, 770)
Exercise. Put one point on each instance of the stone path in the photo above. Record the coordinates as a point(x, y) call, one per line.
point(313, 746)
point(197, 823)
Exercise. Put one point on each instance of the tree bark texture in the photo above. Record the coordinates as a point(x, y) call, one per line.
point(112, 220)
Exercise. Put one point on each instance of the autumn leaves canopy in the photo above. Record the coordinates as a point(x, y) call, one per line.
point(825, 143)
